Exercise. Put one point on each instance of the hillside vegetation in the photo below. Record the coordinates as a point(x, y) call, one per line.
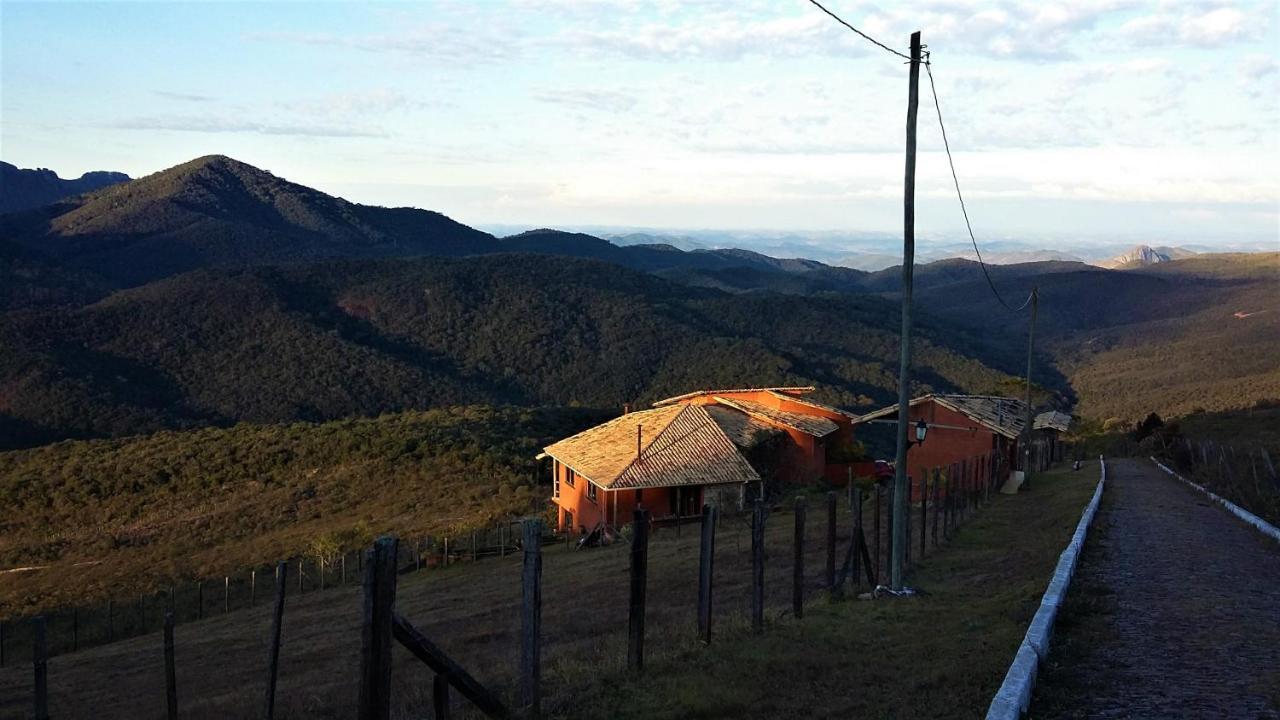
point(324, 341)
point(1164, 338)
point(25, 189)
point(206, 502)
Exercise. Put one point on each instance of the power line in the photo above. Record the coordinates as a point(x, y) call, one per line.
point(864, 35)
point(963, 209)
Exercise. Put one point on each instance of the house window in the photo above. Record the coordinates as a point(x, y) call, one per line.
point(591, 492)
point(568, 476)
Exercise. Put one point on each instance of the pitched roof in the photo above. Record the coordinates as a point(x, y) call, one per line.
point(742, 429)
point(1052, 420)
point(679, 445)
point(790, 392)
point(1002, 415)
point(811, 424)
point(813, 404)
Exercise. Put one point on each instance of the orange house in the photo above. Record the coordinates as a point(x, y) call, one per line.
point(811, 428)
point(979, 429)
point(705, 447)
point(669, 460)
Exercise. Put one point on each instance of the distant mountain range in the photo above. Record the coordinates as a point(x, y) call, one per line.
point(26, 189)
point(1143, 255)
point(214, 292)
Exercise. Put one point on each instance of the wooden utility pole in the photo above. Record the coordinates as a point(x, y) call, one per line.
point(898, 543)
point(375, 633)
point(170, 675)
point(1028, 431)
point(531, 620)
point(639, 583)
point(273, 658)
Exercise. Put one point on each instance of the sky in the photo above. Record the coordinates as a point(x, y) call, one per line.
point(1156, 121)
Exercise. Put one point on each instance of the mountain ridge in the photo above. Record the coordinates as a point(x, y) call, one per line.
point(28, 188)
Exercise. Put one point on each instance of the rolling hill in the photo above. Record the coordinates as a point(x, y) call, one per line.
point(234, 282)
point(329, 340)
point(217, 212)
point(23, 189)
point(1165, 338)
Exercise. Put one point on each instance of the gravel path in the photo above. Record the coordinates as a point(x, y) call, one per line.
point(1175, 611)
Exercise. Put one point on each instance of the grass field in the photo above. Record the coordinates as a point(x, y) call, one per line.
point(938, 655)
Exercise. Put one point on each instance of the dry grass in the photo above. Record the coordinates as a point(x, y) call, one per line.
point(941, 655)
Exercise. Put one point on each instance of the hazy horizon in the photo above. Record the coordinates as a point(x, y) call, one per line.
point(1093, 119)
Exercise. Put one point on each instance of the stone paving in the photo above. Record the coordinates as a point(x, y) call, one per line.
point(1191, 627)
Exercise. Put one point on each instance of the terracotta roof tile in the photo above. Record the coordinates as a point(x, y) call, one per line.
point(811, 424)
point(745, 431)
point(679, 445)
point(1002, 415)
point(790, 392)
point(1052, 420)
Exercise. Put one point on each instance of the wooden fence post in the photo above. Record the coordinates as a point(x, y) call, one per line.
point(924, 512)
point(170, 674)
point(253, 587)
point(831, 536)
point(531, 620)
point(40, 663)
point(440, 697)
point(375, 635)
point(857, 533)
point(937, 495)
point(226, 594)
point(473, 546)
point(888, 533)
point(797, 577)
point(273, 657)
point(706, 565)
point(876, 527)
point(906, 522)
point(952, 472)
point(300, 575)
point(639, 577)
point(758, 513)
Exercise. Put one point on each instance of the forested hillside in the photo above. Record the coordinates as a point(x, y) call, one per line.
point(24, 189)
point(1176, 337)
point(204, 502)
point(331, 340)
point(216, 211)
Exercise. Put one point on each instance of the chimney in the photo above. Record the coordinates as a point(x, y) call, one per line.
point(639, 434)
point(626, 408)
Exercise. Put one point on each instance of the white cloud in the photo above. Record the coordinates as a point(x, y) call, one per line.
point(1196, 25)
point(374, 101)
point(588, 98)
point(209, 124)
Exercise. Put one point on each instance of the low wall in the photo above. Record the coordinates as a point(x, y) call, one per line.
point(1263, 526)
point(1014, 695)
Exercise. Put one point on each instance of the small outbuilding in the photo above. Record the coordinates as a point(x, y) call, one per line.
point(982, 430)
point(703, 447)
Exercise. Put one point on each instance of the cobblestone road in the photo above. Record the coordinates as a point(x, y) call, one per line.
point(1174, 613)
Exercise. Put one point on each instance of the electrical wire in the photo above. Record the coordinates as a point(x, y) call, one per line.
point(865, 36)
point(946, 145)
point(950, 161)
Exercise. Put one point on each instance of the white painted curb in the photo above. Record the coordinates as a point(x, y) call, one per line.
point(1263, 526)
point(1014, 696)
